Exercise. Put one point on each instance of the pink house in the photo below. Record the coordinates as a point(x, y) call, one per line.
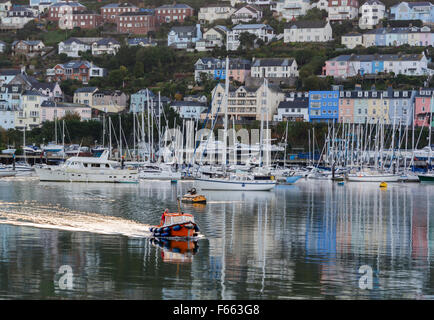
point(423, 105)
point(239, 69)
point(51, 110)
point(346, 106)
point(337, 67)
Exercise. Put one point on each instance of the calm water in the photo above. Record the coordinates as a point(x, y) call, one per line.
point(303, 241)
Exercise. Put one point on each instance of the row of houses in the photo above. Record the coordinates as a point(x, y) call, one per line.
point(345, 66)
point(382, 37)
point(267, 102)
point(241, 69)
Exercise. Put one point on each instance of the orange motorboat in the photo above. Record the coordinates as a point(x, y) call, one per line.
point(175, 225)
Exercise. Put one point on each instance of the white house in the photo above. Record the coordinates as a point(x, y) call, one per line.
point(372, 11)
point(73, 46)
point(5, 6)
point(321, 5)
point(352, 40)
point(261, 31)
point(274, 68)
point(189, 109)
point(295, 107)
point(247, 14)
point(3, 46)
point(17, 18)
point(214, 37)
point(291, 9)
point(308, 31)
point(211, 13)
point(105, 46)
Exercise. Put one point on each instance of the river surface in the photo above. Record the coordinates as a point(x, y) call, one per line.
point(305, 241)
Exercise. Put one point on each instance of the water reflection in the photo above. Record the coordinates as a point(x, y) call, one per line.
point(302, 241)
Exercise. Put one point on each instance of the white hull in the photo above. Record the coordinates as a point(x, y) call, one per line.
point(74, 175)
point(233, 185)
point(160, 175)
point(7, 173)
point(374, 178)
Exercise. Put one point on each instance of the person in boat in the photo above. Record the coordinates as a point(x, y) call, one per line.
point(192, 191)
point(163, 216)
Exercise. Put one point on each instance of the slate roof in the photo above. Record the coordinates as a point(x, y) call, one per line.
point(307, 24)
point(273, 62)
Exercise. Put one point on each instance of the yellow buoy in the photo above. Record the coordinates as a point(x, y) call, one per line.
point(383, 185)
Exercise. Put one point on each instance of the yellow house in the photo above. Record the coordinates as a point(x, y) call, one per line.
point(378, 110)
point(28, 116)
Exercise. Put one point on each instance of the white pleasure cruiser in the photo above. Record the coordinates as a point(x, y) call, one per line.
point(88, 169)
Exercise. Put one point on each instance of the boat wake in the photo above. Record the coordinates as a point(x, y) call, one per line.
point(32, 214)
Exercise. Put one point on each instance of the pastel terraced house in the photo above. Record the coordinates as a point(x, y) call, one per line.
point(51, 110)
point(352, 40)
point(423, 11)
point(423, 105)
point(345, 66)
point(412, 36)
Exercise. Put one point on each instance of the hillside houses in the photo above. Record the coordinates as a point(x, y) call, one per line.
point(345, 66)
point(261, 31)
point(215, 12)
point(308, 31)
point(75, 70)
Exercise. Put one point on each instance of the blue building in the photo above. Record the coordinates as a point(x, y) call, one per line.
point(323, 106)
point(139, 101)
point(413, 11)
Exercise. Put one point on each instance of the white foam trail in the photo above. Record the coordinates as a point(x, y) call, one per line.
point(32, 214)
point(55, 217)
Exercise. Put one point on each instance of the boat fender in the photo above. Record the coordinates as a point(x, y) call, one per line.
point(176, 228)
point(166, 234)
point(188, 226)
point(176, 250)
point(167, 229)
point(196, 228)
point(151, 229)
point(156, 234)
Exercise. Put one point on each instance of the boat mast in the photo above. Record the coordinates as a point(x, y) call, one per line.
point(134, 133)
point(143, 127)
point(63, 138)
point(226, 97)
point(286, 144)
point(110, 137)
point(24, 144)
point(120, 137)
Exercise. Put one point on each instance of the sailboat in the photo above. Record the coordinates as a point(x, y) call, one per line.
point(233, 182)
